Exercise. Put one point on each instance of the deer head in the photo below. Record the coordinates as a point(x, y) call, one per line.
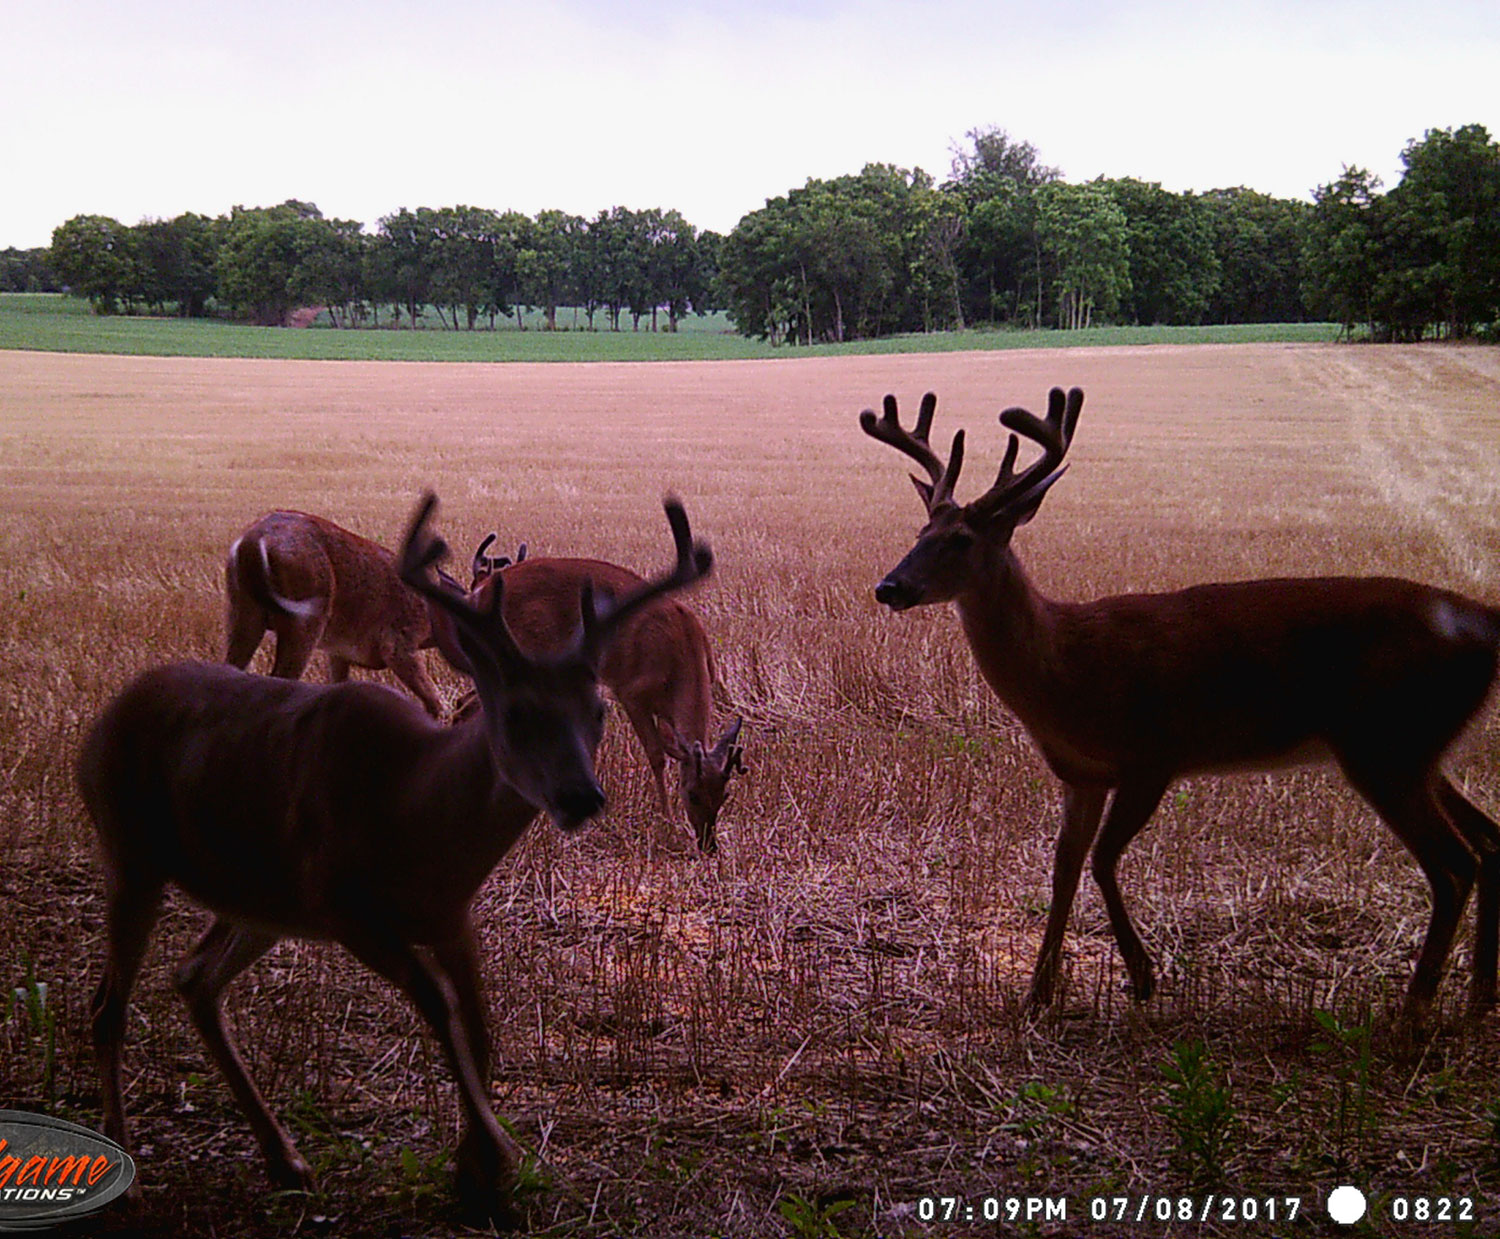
point(957, 537)
point(543, 717)
point(705, 776)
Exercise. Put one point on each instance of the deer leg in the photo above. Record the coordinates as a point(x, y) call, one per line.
point(476, 1164)
point(245, 625)
point(1482, 835)
point(296, 638)
point(1408, 803)
point(459, 960)
point(1082, 807)
point(643, 723)
point(338, 669)
point(133, 907)
point(408, 668)
point(1129, 811)
point(488, 1158)
point(224, 952)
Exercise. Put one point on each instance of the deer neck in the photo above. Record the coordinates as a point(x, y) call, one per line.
point(468, 816)
point(1012, 630)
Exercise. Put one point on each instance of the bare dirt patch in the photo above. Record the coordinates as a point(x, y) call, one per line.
point(828, 1011)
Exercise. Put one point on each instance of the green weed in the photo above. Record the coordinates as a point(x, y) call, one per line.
point(1199, 1107)
point(29, 1002)
point(813, 1219)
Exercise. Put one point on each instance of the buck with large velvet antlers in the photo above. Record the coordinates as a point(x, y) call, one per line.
point(342, 812)
point(1125, 695)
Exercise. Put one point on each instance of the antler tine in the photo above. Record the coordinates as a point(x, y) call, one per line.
point(1070, 416)
point(421, 552)
point(1053, 435)
point(420, 548)
point(888, 429)
point(480, 561)
point(695, 560)
point(1007, 466)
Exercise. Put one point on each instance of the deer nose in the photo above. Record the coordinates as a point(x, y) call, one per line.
point(898, 595)
point(577, 803)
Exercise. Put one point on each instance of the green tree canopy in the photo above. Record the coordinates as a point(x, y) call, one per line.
point(96, 256)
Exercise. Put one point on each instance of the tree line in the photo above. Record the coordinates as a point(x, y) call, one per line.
point(1003, 241)
point(464, 264)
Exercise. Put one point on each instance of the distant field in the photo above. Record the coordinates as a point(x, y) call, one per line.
point(811, 1033)
point(55, 323)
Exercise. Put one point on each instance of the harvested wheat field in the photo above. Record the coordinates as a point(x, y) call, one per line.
point(818, 1030)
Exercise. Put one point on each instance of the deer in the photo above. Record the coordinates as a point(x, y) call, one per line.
point(660, 669)
point(344, 813)
point(317, 585)
point(1125, 695)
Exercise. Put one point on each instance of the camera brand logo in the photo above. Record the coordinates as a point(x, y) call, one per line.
point(52, 1171)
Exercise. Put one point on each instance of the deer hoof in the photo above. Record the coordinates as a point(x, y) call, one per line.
point(484, 1176)
point(292, 1173)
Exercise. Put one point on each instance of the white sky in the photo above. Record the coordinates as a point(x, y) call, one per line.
point(157, 107)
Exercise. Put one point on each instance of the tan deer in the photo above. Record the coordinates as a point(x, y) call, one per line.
point(1125, 695)
point(660, 669)
point(317, 585)
point(342, 812)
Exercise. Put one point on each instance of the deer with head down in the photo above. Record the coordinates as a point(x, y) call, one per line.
point(343, 813)
point(1125, 695)
point(317, 585)
point(660, 669)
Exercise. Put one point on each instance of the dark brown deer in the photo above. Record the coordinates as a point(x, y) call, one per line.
point(317, 585)
point(342, 812)
point(1125, 695)
point(660, 669)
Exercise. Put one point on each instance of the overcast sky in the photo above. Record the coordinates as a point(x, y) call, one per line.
point(157, 107)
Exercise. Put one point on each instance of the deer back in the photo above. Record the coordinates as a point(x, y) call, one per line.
point(661, 650)
point(269, 799)
point(351, 580)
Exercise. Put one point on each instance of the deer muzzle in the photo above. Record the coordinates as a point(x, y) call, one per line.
point(575, 804)
point(897, 594)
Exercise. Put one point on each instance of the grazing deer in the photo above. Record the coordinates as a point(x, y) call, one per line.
point(1125, 695)
point(316, 585)
point(659, 668)
point(342, 812)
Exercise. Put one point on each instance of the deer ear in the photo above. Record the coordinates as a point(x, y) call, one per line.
point(1026, 505)
point(924, 489)
point(672, 742)
point(728, 741)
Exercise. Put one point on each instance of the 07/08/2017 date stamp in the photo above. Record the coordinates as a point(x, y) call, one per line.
point(1343, 1205)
